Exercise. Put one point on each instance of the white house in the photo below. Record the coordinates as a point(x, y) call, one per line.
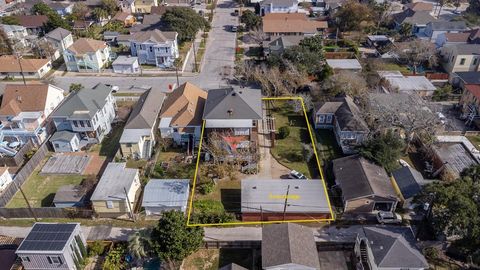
point(126, 65)
point(88, 112)
point(65, 141)
point(17, 34)
point(60, 39)
point(12, 67)
point(5, 178)
point(278, 6)
point(86, 55)
point(25, 109)
point(155, 47)
point(395, 81)
point(436, 28)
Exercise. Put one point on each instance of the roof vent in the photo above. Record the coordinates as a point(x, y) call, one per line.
point(296, 187)
point(234, 94)
point(230, 112)
point(254, 187)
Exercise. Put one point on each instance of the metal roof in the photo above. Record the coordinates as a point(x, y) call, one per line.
point(115, 178)
point(344, 64)
point(305, 196)
point(166, 193)
point(48, 237)
point(407, 179)
point(125, 60)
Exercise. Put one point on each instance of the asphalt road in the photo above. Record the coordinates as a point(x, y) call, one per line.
point(219, 57)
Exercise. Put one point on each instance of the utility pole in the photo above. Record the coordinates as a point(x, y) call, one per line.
point(28, 203)
point(285, 204)
point(129, 205)
point(21, 68)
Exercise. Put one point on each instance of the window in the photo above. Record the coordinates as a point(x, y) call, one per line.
point(25, 259)
point(453, 58)
point(88, 124)
point(462, 61)
point(321, 118)
point(57, 145)
point(129, 145)
point(75, 123)
point(109, 204)
point(329, 118)
point(151, 49)
point(54, 260)
point(82, 124)
point(475, 60)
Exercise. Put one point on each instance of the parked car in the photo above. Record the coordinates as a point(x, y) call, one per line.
point(388, 217)
point(233, 28)
point(297, 175)
point(235, 12)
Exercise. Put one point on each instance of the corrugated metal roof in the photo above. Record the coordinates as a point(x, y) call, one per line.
point(166, 193)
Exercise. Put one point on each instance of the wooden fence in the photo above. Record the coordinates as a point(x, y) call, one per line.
point(23, 175)
point(45, 212)
point(19, 157)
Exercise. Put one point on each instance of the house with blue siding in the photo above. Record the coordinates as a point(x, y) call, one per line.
point(87, 55)
point(88, 112)
point(155, 47)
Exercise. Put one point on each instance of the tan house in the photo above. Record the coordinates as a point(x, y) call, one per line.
point(145, 6)
point(181, 115)
point(461, 57)
point(125, 18)
point(291, 24)
point(12, 67)
point(365, 186)
point(115, 194)
point(138, 137)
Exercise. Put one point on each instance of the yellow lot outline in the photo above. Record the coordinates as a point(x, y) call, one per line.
point(192, 194)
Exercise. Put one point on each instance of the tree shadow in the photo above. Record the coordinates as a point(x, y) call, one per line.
point(245, 257)
point(231, 200)
point(48, 200)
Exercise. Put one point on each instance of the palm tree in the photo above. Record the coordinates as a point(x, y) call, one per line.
point(139, 244)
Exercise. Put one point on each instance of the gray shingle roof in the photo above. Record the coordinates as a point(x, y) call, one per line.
point(468, 49)
point(233, 104)
point(449, 26)
point(146, 110)
point(233, 266)
point(166, 193)
point(469, 77)
point(85, 102)
point(63, 136)
point(115, 178)
point(407, 180)
point(68, 193)
point(156, 36)
point(288, 243)
point(125, 60)
point(346, 112)
point(393, 250)
point(58, 34)
point(414, 17)
point(358, 177)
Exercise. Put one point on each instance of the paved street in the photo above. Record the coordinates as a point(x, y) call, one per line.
point(219, 56)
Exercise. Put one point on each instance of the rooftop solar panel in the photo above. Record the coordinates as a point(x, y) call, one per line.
point(47, 237)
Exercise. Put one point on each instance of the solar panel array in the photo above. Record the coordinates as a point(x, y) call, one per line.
point(47, 237)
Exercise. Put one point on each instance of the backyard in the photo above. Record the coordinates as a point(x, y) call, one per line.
point(212, 259)
point(109, 145)
point(327, 147)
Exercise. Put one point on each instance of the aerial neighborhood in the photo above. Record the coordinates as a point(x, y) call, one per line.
point(232, 134)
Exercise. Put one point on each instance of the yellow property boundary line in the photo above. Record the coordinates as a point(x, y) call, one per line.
point(190, 207)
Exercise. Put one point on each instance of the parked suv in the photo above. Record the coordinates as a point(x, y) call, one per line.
point(296, 175)
point(388, 217)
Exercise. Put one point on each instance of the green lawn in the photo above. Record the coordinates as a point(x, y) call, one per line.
point(109, 145)
point(392, 66)
point(327, 147)
point(475, 140)
point(40, 189)
point(292, 145)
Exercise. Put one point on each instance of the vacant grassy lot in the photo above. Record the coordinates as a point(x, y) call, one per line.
point(212, 259)
point(289, 151)
point(40, 189)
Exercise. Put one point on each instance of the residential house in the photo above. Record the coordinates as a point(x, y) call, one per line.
point(469, 82)
point(126, 65)
point(278, 45)
point(264, 200)
point(474, 37)
point(345, 64)
point(144, 6)
point(52, 246)
point(155, 47)
point(25, 109)
point(14, 68)
point(111, 37)
point(388, 248)
point(60, 39)
point(461, 57)
point(160, 10)
point(436, 28)
point(62, 8)
point(291, 24)
point(124, 17)
point(344, 117)
point(447, 39)
point(127, 6)
point(278, 6)
point(115, 193)
point(365, 186)
point(69, 196)
point(5, 178)
point(138, 137)
point(462, 79)
point(162, 195)
point(65, 141)
point(418, 19)
point(81, 25)
point(35, 24)
point(86, 55)
point(395, 81)
point(88, 112)
point(419, 6)
point(289, 246)
point(17, 34)
point(181, 114)
point(408, 181)
point(235, 111)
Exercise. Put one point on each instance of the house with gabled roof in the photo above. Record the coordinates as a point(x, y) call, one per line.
point(155, 47)
point(86, 55)
point(291, 24)
point(181, 114)
point(138, 137)
point(461, 57)
point(388, 248)
point(343, 116)
point(60, 39)
point(35, 24)
point(418, 19)
point(88, 112)
point(25, 109)
point(231, 110)
point(14, 68)
point(365, 186)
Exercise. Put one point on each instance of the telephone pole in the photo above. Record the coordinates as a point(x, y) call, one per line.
point(28, 203)
point(285, 204)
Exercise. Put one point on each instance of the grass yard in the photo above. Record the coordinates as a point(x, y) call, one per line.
point(40, 189)
point(109, 145)
point(393, 66)
point(289, 151)
point(475, 140)
point(175, 170)
point(327, 147)
point(212, 259)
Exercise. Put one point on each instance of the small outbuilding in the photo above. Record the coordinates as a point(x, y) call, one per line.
point(162, 195)
point(69, 196)
point(345, 64)
point(65, 141)
point(126, 65)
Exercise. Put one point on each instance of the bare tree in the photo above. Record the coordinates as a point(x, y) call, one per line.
point(43, 49)
point(258, 35)
point(346, 82)
point(417, 52)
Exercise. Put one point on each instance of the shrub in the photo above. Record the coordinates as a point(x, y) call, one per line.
point(208, 206)
point(96, 248)
point(293, 156)
point(206, 218)
point(283, 132)
point(206, 188)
